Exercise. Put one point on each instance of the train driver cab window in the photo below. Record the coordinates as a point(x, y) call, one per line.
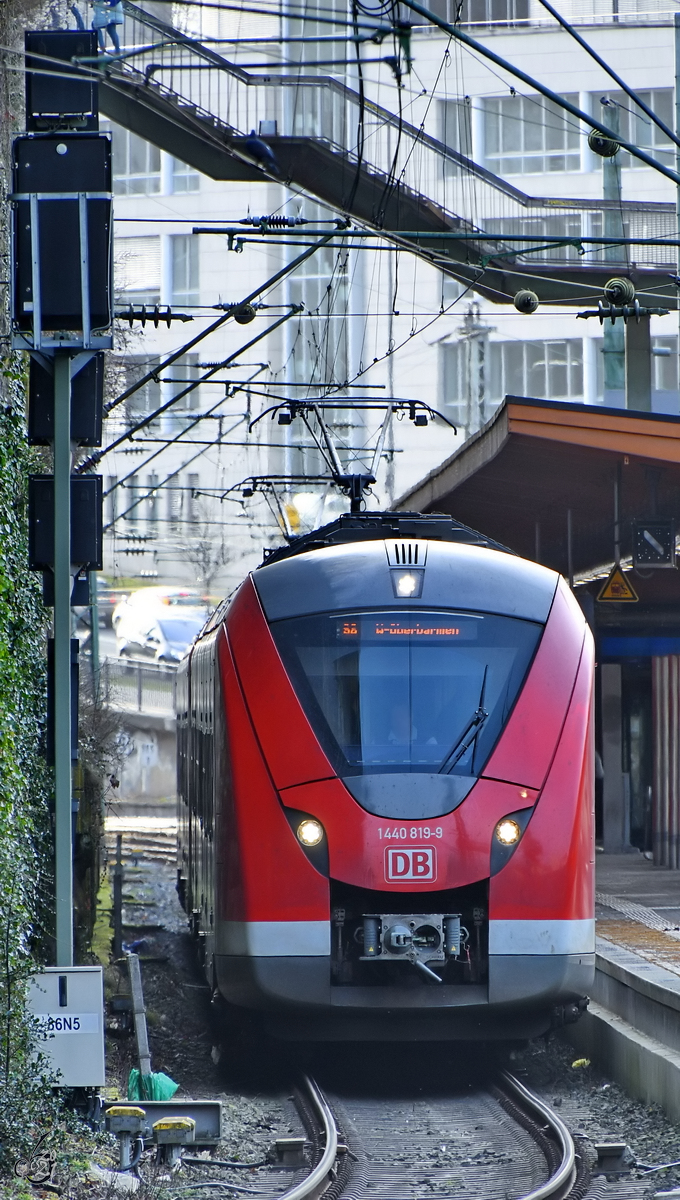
point(407, 691)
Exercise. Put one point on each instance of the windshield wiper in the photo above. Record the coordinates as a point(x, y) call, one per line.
point(465, 740)
point(469, 734)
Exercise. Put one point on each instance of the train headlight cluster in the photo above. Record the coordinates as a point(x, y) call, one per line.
point(310, 832)
point(508, 832)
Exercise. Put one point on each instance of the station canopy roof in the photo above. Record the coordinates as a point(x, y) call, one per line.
point(537, 460)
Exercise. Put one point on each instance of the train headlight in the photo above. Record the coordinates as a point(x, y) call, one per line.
point(508, 832)
point(407, 585)
point(310, 832)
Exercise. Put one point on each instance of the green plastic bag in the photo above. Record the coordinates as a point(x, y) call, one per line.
point(156, 1086)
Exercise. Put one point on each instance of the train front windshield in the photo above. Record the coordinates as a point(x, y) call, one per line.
point(407, 691)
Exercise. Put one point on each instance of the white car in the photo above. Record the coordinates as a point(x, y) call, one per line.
point(159, 623)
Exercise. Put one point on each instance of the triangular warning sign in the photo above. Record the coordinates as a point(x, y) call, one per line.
point(618, 588)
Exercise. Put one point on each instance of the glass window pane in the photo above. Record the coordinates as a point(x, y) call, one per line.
point(185, 268)
point(513, 373)
point(535, 369)
point(533, 125)
point(495, 361)
point(451, 365)
point(397, 692)
point(136, 163)
point(666, 365)
point(512, 126)
point(556, 357)
point(491, 126)
point(575, 359)
point(477, 10)
point(138, 156)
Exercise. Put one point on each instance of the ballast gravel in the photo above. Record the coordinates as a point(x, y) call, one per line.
point(599, 1110)
point(253, 1081)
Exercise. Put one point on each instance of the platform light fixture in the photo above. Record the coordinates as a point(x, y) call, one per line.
point(310, 832)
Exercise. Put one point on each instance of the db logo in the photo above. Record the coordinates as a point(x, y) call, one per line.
point(416, 865)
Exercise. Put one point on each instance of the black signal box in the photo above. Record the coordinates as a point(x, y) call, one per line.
point(654, 543)
point(56, 95)
point(60, 163)
point(87, 402)
point(86, 521)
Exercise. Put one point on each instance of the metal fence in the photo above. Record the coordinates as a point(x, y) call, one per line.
point(137, 685)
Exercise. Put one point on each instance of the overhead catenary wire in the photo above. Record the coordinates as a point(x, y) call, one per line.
point(173, 441)
point(171, 358)
point(150, 490)
point(96, 458)
point(330, 316)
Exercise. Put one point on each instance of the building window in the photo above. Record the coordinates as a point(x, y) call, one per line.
point(636, 127)
point(321, 347)
point(132, 498)
point(185, 285)
point(136, 164)
point(184, 372)
point(472, 12)
point(192, 499)
point(174, 494)
point(184, 177)
point(545, 370)
point(665, 382)
point(530, 135)
point(665, 364)
point(112, 489)
point(456, 130)
point(451, 290)
point(138, 270)
point(147, 398)
point(152, 501)
point(455, 377)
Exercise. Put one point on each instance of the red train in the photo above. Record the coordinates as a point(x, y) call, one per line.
point(385, 779)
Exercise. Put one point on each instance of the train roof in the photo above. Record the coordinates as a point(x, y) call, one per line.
point(399, 560)
point(374, 526)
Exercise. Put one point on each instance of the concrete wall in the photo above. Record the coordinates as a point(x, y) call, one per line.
point(149, 769)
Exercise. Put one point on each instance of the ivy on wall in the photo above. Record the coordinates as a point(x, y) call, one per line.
point(25, 787)
point(28, 1108)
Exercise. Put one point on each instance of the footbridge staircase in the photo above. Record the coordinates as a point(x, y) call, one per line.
point(182, 95)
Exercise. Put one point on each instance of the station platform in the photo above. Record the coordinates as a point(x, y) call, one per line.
point(638, 907)
point(632, 1026)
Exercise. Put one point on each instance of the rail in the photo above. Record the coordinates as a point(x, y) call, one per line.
point(549, 1133)
point(313, 1185)
point(138, 685)
point(561, 1181)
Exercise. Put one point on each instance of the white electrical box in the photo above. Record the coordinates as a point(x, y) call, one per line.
point(69, 1004)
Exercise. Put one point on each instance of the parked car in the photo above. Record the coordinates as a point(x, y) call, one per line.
point(159, 599)
point(108, 597)
point(159, 622)
point(165, 638)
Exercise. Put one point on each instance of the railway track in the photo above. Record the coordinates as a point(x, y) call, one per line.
point(145, 838)
point(500, 1143)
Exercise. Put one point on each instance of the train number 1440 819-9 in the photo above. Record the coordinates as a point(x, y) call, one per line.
point(405, 833)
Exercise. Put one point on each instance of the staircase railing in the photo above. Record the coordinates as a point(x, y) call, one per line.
point(184, 69)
